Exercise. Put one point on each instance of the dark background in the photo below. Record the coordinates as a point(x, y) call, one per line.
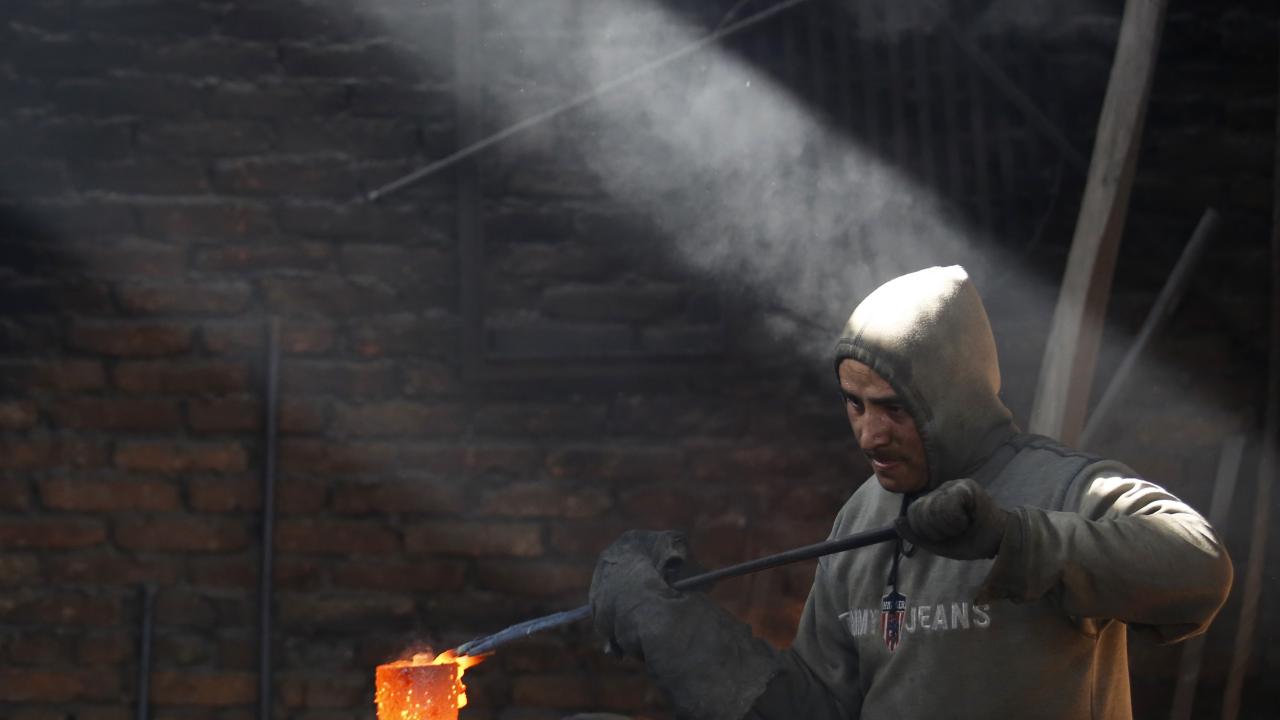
point(487, 377)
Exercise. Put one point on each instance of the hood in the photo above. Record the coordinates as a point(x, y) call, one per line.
point(928, 336)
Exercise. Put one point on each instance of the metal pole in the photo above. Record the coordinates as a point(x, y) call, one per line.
point(268, 521)
point(578, 101)
point(489, 643)
point(1164, 306)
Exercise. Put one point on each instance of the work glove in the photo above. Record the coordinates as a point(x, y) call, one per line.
point(708, 663)
point(958, 520)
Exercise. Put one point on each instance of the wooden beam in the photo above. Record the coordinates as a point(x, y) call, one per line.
point(1267, 469)
point(1067, 371)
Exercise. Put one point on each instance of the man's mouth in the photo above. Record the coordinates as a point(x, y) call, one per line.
point(881, 464)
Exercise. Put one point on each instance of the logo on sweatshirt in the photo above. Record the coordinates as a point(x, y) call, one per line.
point(910, 619)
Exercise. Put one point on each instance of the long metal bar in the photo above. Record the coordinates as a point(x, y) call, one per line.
point(489, 643)
point(1224, 487)
point(268, 521)
point(579, 100)
point(143, 710)
point(1174, 288)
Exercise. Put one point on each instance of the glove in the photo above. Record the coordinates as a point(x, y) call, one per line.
point(958, 520)
point(708, 663)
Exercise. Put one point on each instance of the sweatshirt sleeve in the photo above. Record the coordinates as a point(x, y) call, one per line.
point(818, 677)
point(1122, 548)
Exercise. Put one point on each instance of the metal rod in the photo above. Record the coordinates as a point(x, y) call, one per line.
point(268, 520)
point(808, 552)
point(583, 99)
point(1014, 94)
point(1174, 288)
point(144, 653)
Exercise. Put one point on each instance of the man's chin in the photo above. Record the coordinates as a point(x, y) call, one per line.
point(894, 483)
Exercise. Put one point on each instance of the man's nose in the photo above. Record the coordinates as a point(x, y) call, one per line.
point(874, 431)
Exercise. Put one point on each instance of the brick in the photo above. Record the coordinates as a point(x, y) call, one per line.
point(324, 691)
point(301, 495)
point(57, 686)
point(419, 495)
point(143, 177)
point(661, 507)
point(585, 538)
point(223, 415)
point(538, 420)
point(135, 95)
point(543, 499)
point(181, 378)
point(102, 568)
point(221, 220)
point(105, 648)
point(684, 340)
point(405, 335)
point(19, 570)
point(107, 495)
point(45, 452)
point(303, 416)
point(35, 648)
point(224, 494)
point(434, 575)
point(68, 138)
point(350, 380)
point(18, 415)
point(542, 339)
point(204, 688)
point(232, 337)
point(226, 298)
point(399, 418)
point(80, 297)
point(559, 691)
point(429, 379)
point(327, 176)
point(260, 256)
point(99, 413)
point(367, 611)
point(223, 573)
point(60, 608)
point(206, 138)
point(400, 264)
point(542, 578)
point(336, 537)
point(179, 533)
point(615, 464)
point(175, 458)
point(69, 375)
point(307, 336)
point(129, 339)
point(369, 61)
point(15, 493)
point(50, 532)
point(363, 137)
point(323, 457)
point(131, 258)
point(328, 295)
point(475, 539)
point(185, 650)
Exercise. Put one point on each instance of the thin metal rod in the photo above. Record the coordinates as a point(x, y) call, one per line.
point(144, 653)
point(1014, 94)
point(579, 100)
point(808, 552)
point(268, 521)
point(1224, 487)
point(1174, 288)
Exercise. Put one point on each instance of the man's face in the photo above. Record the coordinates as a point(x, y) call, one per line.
point(884, 429)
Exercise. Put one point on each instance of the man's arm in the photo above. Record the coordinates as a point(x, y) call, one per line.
point(1130, 551)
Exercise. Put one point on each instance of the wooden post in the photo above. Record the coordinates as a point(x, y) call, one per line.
point(1067, 370)
point(1267, 469)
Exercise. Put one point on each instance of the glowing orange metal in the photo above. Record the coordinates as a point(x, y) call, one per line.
point(425, 687)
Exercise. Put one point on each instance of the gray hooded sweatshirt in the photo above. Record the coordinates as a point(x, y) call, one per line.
point(1038, 632)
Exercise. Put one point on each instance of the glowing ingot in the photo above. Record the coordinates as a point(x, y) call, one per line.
point(417, 692)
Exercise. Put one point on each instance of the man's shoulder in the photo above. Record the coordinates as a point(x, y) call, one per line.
point(1043, 472)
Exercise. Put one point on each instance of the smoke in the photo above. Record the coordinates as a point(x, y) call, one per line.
point(748, 187)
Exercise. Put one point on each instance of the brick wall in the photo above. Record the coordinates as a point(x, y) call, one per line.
point(177, 173)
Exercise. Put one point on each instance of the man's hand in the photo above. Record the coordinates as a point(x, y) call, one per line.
point(959, 520)
point(639, 565)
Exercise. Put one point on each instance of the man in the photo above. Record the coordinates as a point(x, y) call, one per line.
point(1022, 563)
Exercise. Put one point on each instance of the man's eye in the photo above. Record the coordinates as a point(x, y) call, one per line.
point(853, 403)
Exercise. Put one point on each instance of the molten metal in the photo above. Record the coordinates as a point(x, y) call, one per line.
point(425, 687)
